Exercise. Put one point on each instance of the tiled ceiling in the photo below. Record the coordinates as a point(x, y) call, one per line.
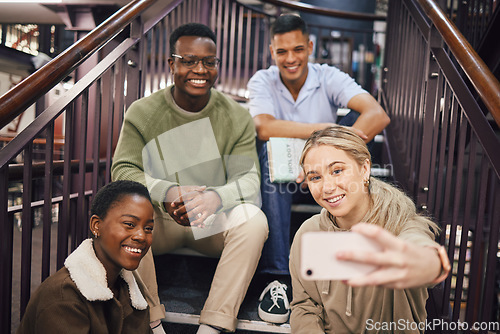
point(18, 12)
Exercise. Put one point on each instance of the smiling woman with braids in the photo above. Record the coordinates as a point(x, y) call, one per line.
point(95, 291)
point(337, 166)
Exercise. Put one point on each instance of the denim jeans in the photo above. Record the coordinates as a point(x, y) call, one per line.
point(277, 200)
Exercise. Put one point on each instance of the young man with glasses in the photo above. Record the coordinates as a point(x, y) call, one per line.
point(194, 148)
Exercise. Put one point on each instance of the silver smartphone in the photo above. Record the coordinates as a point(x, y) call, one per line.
point(318, 255)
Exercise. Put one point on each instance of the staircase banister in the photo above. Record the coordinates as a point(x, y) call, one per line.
point(20, 97)
point(474, 67)
point(304, 7)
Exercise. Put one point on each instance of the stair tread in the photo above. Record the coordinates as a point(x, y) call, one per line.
point(183, 286)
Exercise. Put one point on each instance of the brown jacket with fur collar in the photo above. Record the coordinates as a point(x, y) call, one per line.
point(76, 299)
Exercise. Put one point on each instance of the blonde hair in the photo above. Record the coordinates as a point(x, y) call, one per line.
point(390, 207)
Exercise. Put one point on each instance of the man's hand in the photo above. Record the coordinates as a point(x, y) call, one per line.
point(191, 205)
point(372, 119)
point(174, 200)
point(360, 133)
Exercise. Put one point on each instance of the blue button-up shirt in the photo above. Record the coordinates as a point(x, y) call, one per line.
point(325, 90)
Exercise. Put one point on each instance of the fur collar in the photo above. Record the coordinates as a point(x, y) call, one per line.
point(89, 275)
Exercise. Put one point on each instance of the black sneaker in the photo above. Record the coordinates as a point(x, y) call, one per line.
point(274, 306)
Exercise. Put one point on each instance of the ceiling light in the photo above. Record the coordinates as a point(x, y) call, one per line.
point(30, 1)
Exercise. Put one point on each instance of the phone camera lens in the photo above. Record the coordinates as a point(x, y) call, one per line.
point(309, 272)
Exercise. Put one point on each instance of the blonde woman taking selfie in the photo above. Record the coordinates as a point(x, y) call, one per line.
point(337, 166)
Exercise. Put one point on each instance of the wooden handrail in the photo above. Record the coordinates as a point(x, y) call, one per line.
point(20, 97)
point(474, 67)
point(304, 7)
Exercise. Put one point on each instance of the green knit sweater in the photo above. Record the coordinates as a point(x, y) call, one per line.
point(161, 146)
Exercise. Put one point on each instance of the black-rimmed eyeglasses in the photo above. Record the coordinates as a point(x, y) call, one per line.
point(209, 62)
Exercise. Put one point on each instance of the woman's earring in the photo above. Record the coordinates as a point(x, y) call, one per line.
point(96, 235)
point(366, 182)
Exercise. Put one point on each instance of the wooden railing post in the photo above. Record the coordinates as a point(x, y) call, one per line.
point(427, 151)
point(6, 230)
point(134, 67)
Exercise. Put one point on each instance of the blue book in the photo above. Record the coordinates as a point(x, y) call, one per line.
point(284, 155)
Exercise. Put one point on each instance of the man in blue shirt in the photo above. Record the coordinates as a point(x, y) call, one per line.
point(293, 99)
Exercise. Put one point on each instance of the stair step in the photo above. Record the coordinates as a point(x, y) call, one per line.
point(247, 325)
point(341, 112)
point(183, 286)
point(306, 208)
point(379, 139)
point(381, 172)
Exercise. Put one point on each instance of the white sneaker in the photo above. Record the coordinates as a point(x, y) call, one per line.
point(274, 306)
